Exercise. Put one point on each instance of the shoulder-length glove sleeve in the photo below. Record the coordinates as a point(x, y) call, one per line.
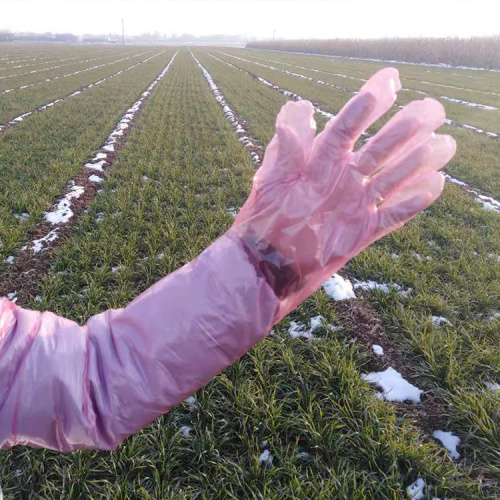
point(66, 387)
point(315, 204)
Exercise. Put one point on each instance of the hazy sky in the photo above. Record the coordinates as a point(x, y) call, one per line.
point(290, 19)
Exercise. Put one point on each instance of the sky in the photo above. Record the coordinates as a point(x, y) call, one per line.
point(257, 18)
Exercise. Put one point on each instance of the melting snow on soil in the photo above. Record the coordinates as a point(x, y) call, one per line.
point(394, 386)
point(382, 287)
point(339, 288)
point(378, 350)
point(230, 114)
point(299, 330)
point(62, 212)
point(449, 441)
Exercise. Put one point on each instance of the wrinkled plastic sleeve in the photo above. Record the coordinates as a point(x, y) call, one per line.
point(66, 387)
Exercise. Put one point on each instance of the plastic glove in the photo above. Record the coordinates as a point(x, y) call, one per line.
point(314, 205)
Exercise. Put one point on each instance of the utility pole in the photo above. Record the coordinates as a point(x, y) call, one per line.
point(123, 32)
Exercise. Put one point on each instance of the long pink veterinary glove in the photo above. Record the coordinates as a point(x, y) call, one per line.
point(314, 205)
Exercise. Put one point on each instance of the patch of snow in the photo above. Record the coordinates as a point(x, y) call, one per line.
point(339, 288)
point(97, 166)
point(12, 297)
point(62, 212)
point(41, 244)
point(10, 260)
point(394, 386)
point(440, 320)
point(449, 441)
point(416, 490)
point(298, 330)
point(266, 458)
point(491, 385)
point(467, 103)
point(378, 349)
point(96, 178)
point(185, 430)
point(191, 400)
point(470, 127)
point(303, 455)
point(382, 287)
point(233, 211)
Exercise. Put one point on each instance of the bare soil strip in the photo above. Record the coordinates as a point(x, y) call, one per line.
point(22, 278)
point(22, 117)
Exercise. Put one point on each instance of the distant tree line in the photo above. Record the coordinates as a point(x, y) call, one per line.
point(481, 52)
point(6, 36)
point(114, 38)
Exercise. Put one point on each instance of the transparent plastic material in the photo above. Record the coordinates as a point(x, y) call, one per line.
point(314, 205)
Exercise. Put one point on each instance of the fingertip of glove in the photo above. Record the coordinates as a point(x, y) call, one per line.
point(435, 108)
point(386, 79)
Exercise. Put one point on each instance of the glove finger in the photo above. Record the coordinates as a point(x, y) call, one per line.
point(299, 117)
point(406, 204)
point(284, 157)
point(405, 130)
point(341, 133)
point(429, 156)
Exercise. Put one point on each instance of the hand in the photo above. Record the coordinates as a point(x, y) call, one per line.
point(316, 203)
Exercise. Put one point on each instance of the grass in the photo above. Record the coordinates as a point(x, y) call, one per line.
point(483, 81)
point(43, 71)
point(451, 284)
point(476, 160)
point(486, 119)
point(164, 200)
point(21, 101)
point(42, 154)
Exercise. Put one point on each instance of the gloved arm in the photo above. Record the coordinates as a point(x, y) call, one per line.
point(314, 205)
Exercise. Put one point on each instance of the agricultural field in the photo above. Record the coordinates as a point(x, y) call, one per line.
point(120, 164)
